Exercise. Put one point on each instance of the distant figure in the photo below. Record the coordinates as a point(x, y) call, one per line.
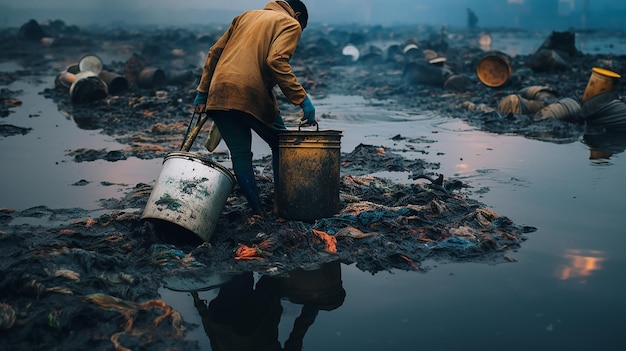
point(472, 19)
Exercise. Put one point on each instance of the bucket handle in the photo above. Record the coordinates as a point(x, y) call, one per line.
point(317, 126)
point(191, 134)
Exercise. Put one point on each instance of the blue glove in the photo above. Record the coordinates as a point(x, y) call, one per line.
point(309, 112)
point(200, 98)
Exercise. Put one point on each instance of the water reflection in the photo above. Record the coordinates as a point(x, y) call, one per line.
point(603, 146)
point(581, 264)
point(246, 316)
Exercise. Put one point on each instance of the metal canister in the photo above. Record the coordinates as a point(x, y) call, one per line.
point(494, 69)
point(308, 186)
point(601, 81)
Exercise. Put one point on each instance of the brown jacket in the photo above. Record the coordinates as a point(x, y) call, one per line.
point(252, 57)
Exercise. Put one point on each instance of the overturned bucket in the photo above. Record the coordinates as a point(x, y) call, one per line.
point(151, 77)
point(87, 87)
point(191, 192)
point(494, 69)
point(308, 186)
point(116, 83)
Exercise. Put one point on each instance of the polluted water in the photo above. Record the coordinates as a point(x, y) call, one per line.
point(458, 226)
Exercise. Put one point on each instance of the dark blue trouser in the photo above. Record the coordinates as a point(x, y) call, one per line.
point(236, 129)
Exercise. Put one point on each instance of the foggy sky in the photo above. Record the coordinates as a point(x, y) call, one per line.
point(548, 14)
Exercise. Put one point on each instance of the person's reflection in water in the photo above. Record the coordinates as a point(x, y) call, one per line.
point(245, 316)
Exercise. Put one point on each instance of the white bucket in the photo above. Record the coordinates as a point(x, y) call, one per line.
point(191, 192)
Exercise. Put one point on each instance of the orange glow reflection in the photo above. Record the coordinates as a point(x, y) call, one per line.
point(581, 263)
point(463, 166)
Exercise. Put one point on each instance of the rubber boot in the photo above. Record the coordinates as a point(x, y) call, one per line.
point(247, 183)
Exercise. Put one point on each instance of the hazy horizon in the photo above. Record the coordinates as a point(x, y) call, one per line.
point(542, 14)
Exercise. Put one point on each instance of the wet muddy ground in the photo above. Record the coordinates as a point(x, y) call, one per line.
point(92, 282)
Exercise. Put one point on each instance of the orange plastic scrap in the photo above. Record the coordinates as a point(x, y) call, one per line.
point(410, 261)
point(329, 240)
point(245, 252)
point(86, 222)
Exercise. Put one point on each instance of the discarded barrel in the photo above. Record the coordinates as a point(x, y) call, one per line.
point(421, 72)
point(64, 80)
point(611, 117)
point(116, 83)
point(517, 105)
point(87, 87)
point(151, 77)
point(73, 68)
point(180, 76)
point(351, 51)
point(394, 53)
point(457, 82)
point(598, 102)
point(308, 186)
point(190, 192)
point(494, 69)
point(539, 92)
point(90, 63)
point(370, 54)
point(566, 109)
point(412, 52)
point(601, 81)
point(485, 41)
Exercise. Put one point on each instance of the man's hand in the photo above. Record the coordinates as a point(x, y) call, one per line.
point(309, 112)
point(200, 101)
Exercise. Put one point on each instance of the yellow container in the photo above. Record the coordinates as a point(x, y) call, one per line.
point(308, 186)
point(601, 81)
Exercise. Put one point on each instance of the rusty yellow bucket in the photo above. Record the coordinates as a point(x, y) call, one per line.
point(601, 81)
point(308, 186)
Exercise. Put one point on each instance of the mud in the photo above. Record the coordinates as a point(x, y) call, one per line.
point(91, 282)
